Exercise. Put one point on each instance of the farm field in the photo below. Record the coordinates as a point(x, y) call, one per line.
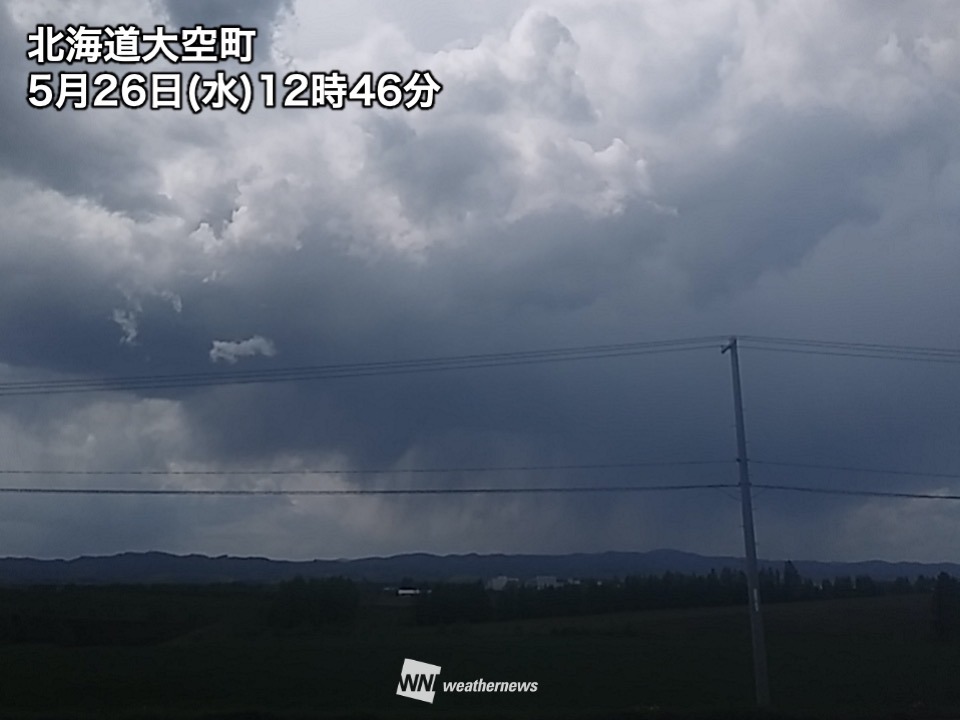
point(862, 657)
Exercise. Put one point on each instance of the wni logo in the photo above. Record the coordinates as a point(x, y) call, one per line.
point(418, 680)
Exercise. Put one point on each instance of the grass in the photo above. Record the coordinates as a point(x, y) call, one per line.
point(867, 657)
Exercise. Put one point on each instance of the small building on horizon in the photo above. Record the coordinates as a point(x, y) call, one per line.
point(501, 582)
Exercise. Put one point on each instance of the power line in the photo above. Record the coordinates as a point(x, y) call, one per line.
point(352, 370)
point(370, 491)
point(873, 356)
point(850, 345)
point(860, 493)
point(469, 491)
point(909, 353)
point(472, 361)
point(472, 491)
point(851, 468)
point(378, 471)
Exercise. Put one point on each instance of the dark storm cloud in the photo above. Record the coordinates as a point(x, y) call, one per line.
point(765, 208)
point(536, 207)
point(445, 172)
point(81, 153)
point(260, 14)
point(44, 145)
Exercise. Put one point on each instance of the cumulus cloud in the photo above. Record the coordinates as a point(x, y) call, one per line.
point(127, 320)
point(230, 351)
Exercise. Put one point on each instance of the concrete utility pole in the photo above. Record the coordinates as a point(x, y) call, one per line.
point(749, 539)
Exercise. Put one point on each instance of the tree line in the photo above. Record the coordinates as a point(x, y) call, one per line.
point(448, 602)
point(134, 615)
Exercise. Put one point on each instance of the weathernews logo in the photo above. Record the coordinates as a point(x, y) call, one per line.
point(418, 681)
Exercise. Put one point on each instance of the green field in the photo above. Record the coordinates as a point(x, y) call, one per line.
point(864, 657)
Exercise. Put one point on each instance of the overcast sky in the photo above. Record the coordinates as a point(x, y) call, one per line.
point(592, 172)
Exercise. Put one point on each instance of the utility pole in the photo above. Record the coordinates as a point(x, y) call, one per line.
point(749, 539)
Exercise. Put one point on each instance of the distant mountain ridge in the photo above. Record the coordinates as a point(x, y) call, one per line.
point(159, 567)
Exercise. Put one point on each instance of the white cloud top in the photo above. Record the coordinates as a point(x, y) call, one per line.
point(231, 351)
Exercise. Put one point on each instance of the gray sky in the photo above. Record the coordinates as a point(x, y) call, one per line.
point(593, 172)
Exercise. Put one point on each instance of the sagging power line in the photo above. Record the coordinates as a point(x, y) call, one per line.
point(908, 353)
point(858, 493)
point(454, 470)
point(369, 491)
point(352, 370)
point(469, 362)
point(856, 469)
point(584, 467)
